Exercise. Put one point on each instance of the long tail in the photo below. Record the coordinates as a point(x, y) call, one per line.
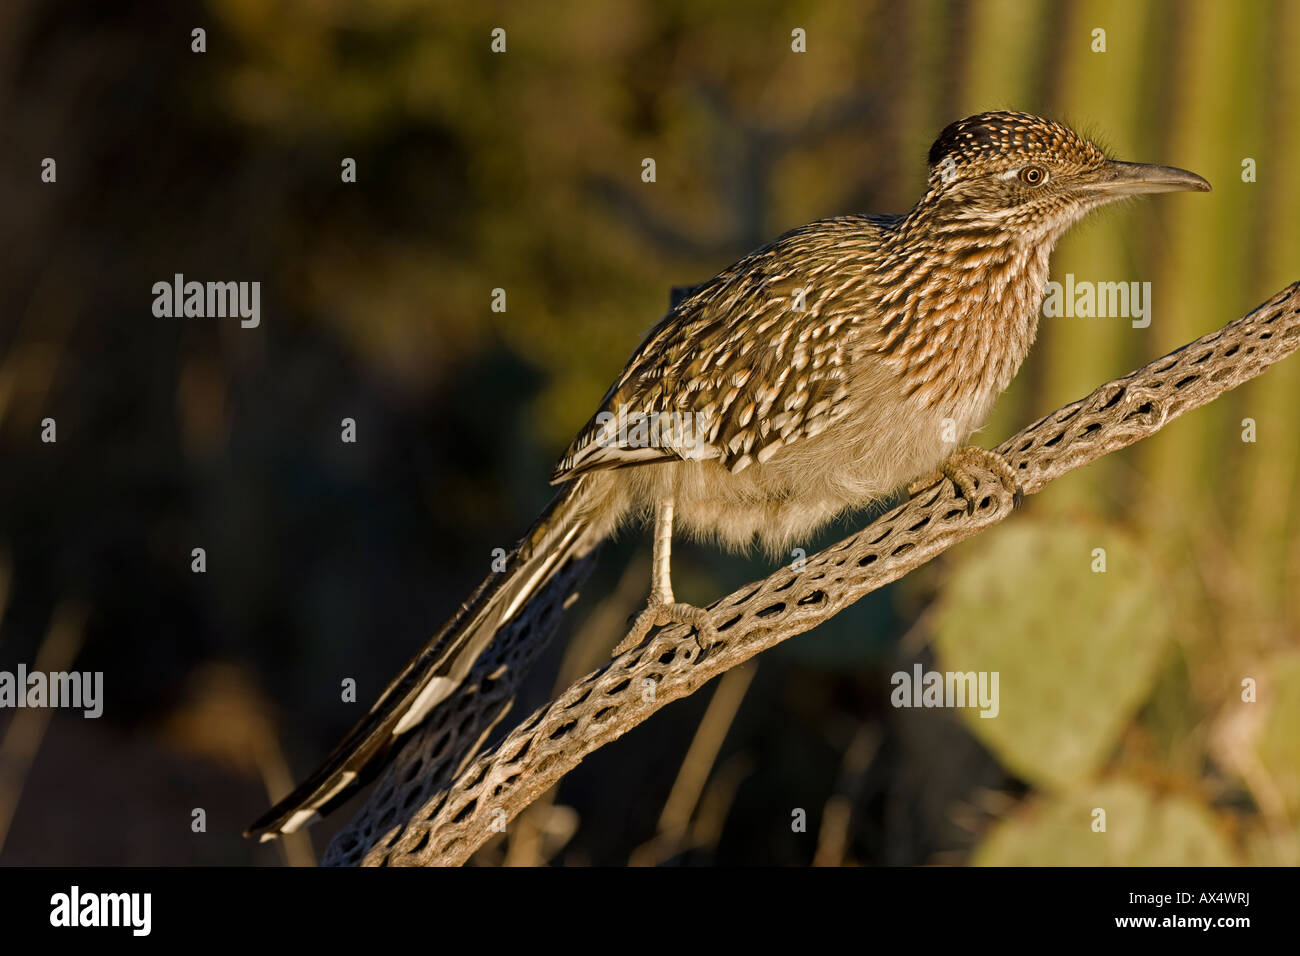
point(562, 532)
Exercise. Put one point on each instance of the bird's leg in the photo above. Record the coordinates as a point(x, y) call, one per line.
point(663, 607)
point(958, 468)
point(661, 573)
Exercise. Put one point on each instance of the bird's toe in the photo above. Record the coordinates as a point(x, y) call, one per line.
point(658, 614)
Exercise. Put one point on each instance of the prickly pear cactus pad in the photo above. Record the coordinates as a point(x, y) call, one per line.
point(1117, 823)
point(1073, 619)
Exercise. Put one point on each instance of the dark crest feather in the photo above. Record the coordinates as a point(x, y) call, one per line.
point(996, 130)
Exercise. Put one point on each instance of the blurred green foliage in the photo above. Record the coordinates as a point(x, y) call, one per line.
point(1141, 829)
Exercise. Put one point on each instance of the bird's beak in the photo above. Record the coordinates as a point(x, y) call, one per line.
point(1117, 179)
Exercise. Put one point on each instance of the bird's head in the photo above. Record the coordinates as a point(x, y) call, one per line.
point(1015, 173)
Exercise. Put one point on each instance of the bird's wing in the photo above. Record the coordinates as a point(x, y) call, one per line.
point(747, 364)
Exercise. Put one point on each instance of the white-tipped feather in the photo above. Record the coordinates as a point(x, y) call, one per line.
point(299, 818)
point(433, 693)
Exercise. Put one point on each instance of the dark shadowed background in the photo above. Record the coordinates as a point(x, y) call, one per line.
point(522, 171)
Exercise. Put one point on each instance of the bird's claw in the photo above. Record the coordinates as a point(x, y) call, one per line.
point(959, 468)
point(660, 613)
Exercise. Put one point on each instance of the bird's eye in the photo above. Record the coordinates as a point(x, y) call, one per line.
point(1033, 175)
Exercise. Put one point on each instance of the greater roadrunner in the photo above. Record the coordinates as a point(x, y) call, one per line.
point(818, 374)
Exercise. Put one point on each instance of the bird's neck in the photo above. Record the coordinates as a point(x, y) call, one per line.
point(960, 304)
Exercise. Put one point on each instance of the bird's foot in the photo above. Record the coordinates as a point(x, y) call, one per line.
point(961, 467)
point(659, 613)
